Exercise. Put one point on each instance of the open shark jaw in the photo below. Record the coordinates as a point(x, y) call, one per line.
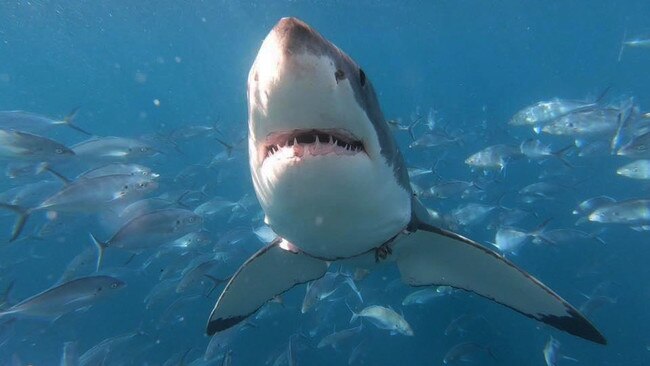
point(311, 142)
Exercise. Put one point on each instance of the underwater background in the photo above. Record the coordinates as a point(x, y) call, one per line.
point(145, 70)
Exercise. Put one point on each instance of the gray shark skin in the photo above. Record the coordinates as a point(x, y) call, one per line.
point(334, 187)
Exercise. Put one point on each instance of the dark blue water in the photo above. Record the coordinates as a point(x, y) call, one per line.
point(476, 63)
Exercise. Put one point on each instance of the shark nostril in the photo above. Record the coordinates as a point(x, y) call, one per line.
point(339, 75)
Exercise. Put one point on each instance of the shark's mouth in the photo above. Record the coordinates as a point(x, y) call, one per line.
point(298, 143)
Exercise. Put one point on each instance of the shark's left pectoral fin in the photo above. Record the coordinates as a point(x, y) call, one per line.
point(271, 271)
point(433, 256)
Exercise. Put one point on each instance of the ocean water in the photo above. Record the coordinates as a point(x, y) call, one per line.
point(146, 70)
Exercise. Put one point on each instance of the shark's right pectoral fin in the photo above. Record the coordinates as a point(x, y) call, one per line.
point(271, 271)
point(433, 256)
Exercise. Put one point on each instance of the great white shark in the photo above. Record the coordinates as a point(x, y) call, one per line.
point(333, 185)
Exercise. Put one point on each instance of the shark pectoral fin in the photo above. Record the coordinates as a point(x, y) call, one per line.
point(433, 256)
point(268, 273)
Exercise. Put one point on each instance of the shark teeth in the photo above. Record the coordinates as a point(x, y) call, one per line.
point(315, 142)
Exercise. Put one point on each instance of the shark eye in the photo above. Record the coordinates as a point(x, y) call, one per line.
point(362, 77)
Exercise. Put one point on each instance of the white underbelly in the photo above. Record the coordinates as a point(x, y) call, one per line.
point(333, 206)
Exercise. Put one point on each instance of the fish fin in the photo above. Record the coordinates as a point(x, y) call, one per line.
point(70, 118)
point(101, 246)
point(620, 51)
point(23, 214)
point(259, 279)
point(433, 256)
point(58, 175)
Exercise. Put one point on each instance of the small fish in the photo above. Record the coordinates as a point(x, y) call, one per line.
point(466, 352)
point(638, 42)
point(544, 112)
point(559, 236)
point(335, 338)
point(426, 295)
point(21, 120)
point(638, 148)
point(319, 290)
point(449, 189)
point(214, 206)
point(471, 213)
point(24, 146)
point(98, 354)
point(534, 149)
point(384, 318)
point(194, 273)
point(494, 157)
point(592, 123)
point(62, 299)
point(461, 324)
point(639, 169)
point(150, 230)
point(589, 205)
point(119, 169)
point(630, 212)
point(435, 139)
point(112, 148)
point(552, 352)
point(596, 302)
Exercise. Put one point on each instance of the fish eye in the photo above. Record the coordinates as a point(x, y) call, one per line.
point(126, 187)
point(178, 222)
point(143, 149)
point(130, 149)
point(191, 219)
point(58, 150)
point(640, 147)
point(114, 285)
point(362, 77)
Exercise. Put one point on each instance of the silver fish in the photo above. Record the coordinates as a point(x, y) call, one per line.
point(335, 338)
point(639, 169)
point(150, 230)
point(65, 298)
point(18, 145)
point(638, 148)
point(384, 318)
point(466, 352)
point(119, 169)
point(493, 157)
point(546, 111)
point(28, 121)
point(592, 123)
point(112, 148)
point(552, 352)
point(630, 212)
point(319, 290)
point(426, 295)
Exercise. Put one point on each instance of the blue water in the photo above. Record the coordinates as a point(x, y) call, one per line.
point(476, 63)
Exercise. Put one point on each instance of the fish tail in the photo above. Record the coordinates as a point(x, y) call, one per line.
point(412, 126)
point(228, 147)
point(70, 118)
point(23, 215)
point(215, 281)
point(354, 315)
point(561, 154)
point(101, 246)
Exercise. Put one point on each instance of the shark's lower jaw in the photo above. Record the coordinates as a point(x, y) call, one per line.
point(310, 142)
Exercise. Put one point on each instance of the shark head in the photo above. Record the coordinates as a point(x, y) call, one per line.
point(325, 167)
